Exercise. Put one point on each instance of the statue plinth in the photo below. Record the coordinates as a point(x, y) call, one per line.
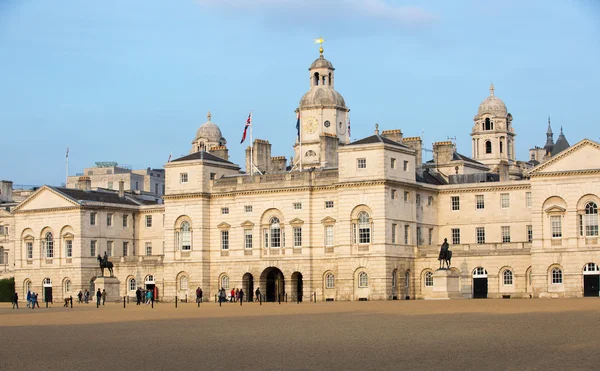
point(112, 285)
point(446, 284)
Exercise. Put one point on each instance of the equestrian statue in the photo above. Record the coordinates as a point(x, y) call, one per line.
point(104, 263)
point(445, 257)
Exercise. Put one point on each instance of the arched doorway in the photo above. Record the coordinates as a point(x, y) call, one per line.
point(274, 283)
point(591, 280)
point(407, 285)
point(480, 283)
point(47, 284)
point(248, 286)
point(297, 286)
point(151, 285)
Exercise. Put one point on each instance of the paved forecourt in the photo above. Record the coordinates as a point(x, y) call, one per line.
point(456, 334)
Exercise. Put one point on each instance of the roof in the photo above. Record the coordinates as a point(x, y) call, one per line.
point(95, 196)
point(430, 178)
point(376, 138)
point(202, 155)
point(458, 156)
point(561, 144)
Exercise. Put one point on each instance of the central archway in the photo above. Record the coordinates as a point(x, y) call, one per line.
point(274, 283)
point(248, 286)
point(297, 286)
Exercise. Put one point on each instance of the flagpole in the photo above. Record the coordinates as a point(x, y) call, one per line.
point(251, 149)
point(300, 139)
point(67, 171)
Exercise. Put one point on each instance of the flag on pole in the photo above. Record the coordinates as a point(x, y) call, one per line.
point(348, 126)
point(171, 154)
point(298, 123)
point(67, 152)
point(248, 123)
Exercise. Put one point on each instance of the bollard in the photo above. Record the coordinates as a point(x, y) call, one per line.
point(220, 301)
point(260, 299)
point(124, 301)
point(286, 297)
point(71, 300)
point(315, 297)
point(186, 298)
point(152, 303)
point(175, 301)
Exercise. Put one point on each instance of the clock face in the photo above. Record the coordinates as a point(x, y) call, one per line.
point(310, 125)
point(327, 124)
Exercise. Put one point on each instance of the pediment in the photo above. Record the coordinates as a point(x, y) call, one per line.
point(224, 225)
point(46, 198)
point(582, 156)
point(4, 213)
point(247, 224)
point(327, 220)
point(296, 222)
point(555, 210)
point(68, 235)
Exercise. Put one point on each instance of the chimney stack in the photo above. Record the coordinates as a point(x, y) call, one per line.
point(121, 188)
point(84, 183)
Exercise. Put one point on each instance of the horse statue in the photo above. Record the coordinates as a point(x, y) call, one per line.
point(104, 263)
point(445, 257)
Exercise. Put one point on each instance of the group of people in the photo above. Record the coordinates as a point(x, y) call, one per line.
point(101, 296)
point(83, 297)
point(143, 296)
point(32, 300)
point(236, 295)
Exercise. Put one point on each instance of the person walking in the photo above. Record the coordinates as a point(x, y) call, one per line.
point(199, 295)
point(138, 296)
point(79, 296)
point(35, 300)
point(86, 296)
point(28, 298)
point(98, 297)
point(241, 296)
point(148, 296)
point(237, 294)
point(232, 295)
point(222, 296)
point(257, 292)
point(104, 295)
point(15, 300)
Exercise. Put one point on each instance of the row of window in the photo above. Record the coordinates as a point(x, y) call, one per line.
point(184, 178)
point(48, 247)
point(296, 205)
point(363, 281)
point(273, 237)
point(480, 234)
point(109, 219)
point(480, 201)
point(407, 235)
point(406, 197)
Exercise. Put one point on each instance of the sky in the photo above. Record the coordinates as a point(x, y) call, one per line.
point(131, 81)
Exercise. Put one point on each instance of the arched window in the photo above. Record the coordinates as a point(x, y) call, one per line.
point(2, 262)
point(132, 285)
point(47, 282)
point(68, 286)
point(185, 237)
point(557, 278)
point(225, 282)
point(507, 277)
point(183, 283)
point(501, 145)
point(489, 125)
point(26, 287)
point(329, 281)
point(428, 279)
point(479, 272)
point(49, 245)
point(150, 279)
point(488, 147)
point(364, 228)
point(316, 77)
point(591, 219)
point(591, 268)
point(394, 278)
point(275, 230)
point(363, 279)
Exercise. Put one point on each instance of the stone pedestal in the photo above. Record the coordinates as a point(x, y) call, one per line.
point(446, 284)
point(112, 285)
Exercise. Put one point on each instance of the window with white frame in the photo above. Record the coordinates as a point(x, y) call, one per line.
point(92, 218)
point(557, 276)
point(69, 248)
point(329, 204)
point(364, 228)
point(455, 236)
point(405, 166)
point(185, 236)
point(361, 163)
point(428, 279)
point(591, 219)
point(183, 177)
point(297, 237)
point(394, 226)
point(125, 248)
point(247, 238)
point(406, 234)
point(480, 202)
point(248, 208)
point(363, 279)
point(528, 201)
point(148, 248)
point(148, 221)
point(556, 223)
point(109, 220)
point(225, 282)
point(224, 240)
point(275, 231)
point(183, 283)
point(328, 235)
point(93, 247)
point(529, 233)
point(297, 205)
point(109, 248)
point(29, 248)
point(406, 196)
point(419, 240)
point(132, 285)
point(224, 210)
point(505, 234)
point(504, 200)
point(125, 222)
point(393, 194)
point(455, 203)
point(68, 286)
point(329, 281)
point(591, 268)
point(49, 245)
point(393, 163)
point(507, 277)
point(480, 232)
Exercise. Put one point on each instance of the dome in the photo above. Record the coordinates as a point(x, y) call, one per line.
point(321, 62)
point(322, 96)
point(209, 131)
point(492, 105)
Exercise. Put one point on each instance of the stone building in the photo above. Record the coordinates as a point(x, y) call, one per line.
point(344, 220)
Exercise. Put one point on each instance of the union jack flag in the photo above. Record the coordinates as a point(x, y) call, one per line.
point(248, 123)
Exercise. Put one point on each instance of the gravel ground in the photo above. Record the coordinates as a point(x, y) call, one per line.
point(451, 335)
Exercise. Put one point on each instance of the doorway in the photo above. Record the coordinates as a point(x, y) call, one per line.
point(47, 284)
point(151, 286)
point(480, 283)
point(591, 280)
point(275, 284)
point(248, 286)
point(297, 286)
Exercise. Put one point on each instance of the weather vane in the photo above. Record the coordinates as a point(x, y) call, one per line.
point(320, 41)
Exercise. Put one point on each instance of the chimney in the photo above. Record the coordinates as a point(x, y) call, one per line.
point(84, 183)
point(503, 171)
point(442, 152)
point(395, 135)
point(417, 144)
point(121, 188)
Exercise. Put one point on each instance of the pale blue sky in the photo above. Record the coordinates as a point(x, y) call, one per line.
point(131, 81)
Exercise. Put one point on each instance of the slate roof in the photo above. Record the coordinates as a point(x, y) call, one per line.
point(429, 178)
point(377, 139)
point(95, 196)
point(202, 155)
point(458, 156)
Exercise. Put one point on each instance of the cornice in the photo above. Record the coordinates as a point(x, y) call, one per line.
point(565, 173)
point(489, 188)
point(52, 209)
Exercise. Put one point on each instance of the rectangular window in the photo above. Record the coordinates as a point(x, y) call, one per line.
point(297, 237)
point(110, 185)
point(69, 248)
point(591, 225)
point(183, 177)
point(125, 221)
point(529, 233)
point(148, 221)
point(405, 165)
point(394, 226)
point(224, 240)
point(430, 237)
point(109, 220)
point(297, 205)
point(556, 223)
point(248, 238)
point(137, 186)
point(419, 241)
point(456, 236)
point(329, 204)
point(505, 234)
point(329, 235)
point(480, 232)
point(125, 248)
point(92, 218)
point(429, 200)
point(248, 208)
point(455, 203)
point(480, 202)
point(504, 200)
point(393, 194)
point(406, 234)
point(418, 199)
point(93, 248)
point(213, 176)
point(393, 163)
point(109, 248)
point(29, 250)
point(528, 201)
point(224, 210)
point(406, 196)
point(361, 163)
point(148, 248)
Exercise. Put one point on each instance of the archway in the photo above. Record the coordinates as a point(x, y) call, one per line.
point(248, 286)
point(297, 286)
point(480, 283)
point(47, 285)
point(274, 283)
point(591, 280)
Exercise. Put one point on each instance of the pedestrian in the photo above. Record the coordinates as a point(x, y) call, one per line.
point(16, 300)
point(237, 294)
point(86, 296)
point(257, 292)
point(222, 296)
point(35, 300)
point(98, 297)
point(241, 296)
point(104, 295)
point(28, 298)
point(138, 296)
point(232, 296)
point(148, 296)
point(79, 296)
point(200, 295)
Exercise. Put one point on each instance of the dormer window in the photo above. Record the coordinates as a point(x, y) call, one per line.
point(488, 125)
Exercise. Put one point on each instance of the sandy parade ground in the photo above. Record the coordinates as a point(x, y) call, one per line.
point(534, 334)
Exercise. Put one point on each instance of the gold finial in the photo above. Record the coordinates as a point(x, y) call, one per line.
point(491, 89)
point(320, 41)
point(208, 115)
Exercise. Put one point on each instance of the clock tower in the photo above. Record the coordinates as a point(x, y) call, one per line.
point(323, 118)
